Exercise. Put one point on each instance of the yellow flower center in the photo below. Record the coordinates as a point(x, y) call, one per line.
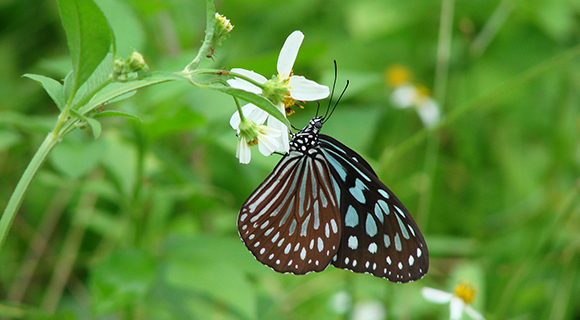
point(465, 292)
point(422, 94)
point(288, 103)
point(398, 75)
point(253, 142)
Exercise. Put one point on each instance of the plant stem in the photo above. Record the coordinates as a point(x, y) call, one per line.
point(16, 199)
point(482, 102)
point(209, 31)
point(440, 88)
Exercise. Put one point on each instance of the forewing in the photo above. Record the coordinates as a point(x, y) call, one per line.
point(379, 236)
point(291, 222)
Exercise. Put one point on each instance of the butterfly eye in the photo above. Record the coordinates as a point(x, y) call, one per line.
point(329, 207)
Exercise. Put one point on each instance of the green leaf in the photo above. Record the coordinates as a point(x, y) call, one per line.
point(68, 86)
point(115, 113)
point(103, 72)
point(94, 124)
point(122, 279)
point(88, 34)
point(118, 89)
point(52, 87)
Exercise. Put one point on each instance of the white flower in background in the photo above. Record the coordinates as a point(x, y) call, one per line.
point(369, 310)
point(340, 302)
point(250, 134)
point(406, 94)
point(459, 301)
point(283, 89)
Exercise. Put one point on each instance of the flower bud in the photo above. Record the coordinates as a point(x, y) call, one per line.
point(223, 27)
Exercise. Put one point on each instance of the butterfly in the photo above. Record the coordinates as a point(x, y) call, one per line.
point(323, 204)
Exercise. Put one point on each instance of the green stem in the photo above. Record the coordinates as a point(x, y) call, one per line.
point(16, 199)
point(440, 89)
point(482, 102)
point(191, 74)
point(241, 113)
point(209, 31)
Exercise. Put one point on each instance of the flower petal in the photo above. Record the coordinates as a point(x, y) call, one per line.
point(473, 314)
point(251, 112)
point(243, 152)
point(245, 85)
point(371, 310)
point(429, 112)
point(456, 308)
point(436, 296)
point(303, 89)
point(284, 145)
point(404, 96)
point(288, 54)
point(269, 141)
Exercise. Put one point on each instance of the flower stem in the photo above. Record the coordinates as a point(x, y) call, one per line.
point(16, 199)
point(209, 31)
point(242, 117)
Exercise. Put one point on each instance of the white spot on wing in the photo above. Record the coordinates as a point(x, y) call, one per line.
point(384, 206)
point(371, 226)
point(398, 245)
point(384, 193)
point(334, 226)
point(353, 242)
point(351, 217)
point(357, 191)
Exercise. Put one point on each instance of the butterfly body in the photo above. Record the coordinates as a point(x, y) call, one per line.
point(323, 204)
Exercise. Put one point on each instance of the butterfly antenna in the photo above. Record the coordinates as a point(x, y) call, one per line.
point(340, 97)
point(317, 108)
point(332, 92)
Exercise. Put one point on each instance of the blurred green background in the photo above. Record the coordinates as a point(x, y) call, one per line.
point(141, 223)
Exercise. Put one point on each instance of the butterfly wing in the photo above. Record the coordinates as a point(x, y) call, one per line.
point(379, 236)
point(291, 222)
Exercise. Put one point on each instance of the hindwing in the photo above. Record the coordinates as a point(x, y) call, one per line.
point(379, 236)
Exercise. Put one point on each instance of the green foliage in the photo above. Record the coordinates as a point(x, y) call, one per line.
point(88, 35)
point(140, 223)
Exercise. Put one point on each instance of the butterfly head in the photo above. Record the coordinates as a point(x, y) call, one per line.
point(307, 139)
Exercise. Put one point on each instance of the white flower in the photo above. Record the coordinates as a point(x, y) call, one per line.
point(458, 301)
point(369, 310)
point(250, 134)
point(341, 302)
point(409, 95)
point(406, 94)
point(428, 111)
point(283, 89)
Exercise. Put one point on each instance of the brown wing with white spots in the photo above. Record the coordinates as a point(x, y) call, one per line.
point(379, 236)
point(291, 222)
